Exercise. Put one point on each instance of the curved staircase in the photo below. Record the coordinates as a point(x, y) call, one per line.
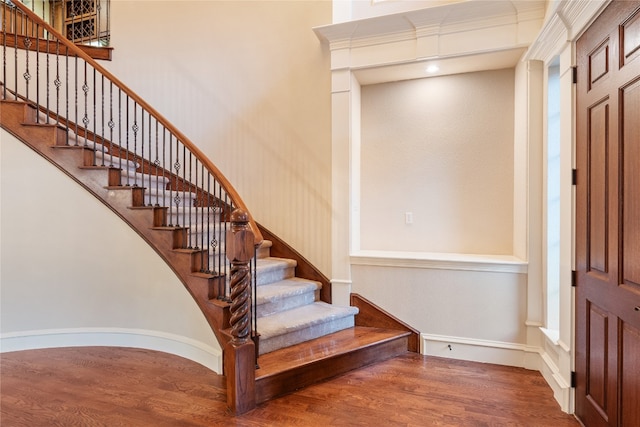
point(301, 337)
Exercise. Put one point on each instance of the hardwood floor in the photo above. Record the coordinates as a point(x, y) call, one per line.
point(106, 386)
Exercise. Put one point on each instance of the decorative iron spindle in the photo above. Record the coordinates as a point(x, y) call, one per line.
point(37, 41)
point(156, 163)
point(110, 124)
point(4, 53)
point(164, 165)
point(126, 133)
point(47, 109)
point(190, 245)
point(135, 130)
point(57, 82)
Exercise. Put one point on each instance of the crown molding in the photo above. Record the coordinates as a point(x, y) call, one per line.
point(567, 20)
point(459, 17)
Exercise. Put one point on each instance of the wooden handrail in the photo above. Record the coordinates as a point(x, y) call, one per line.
point(76, 51)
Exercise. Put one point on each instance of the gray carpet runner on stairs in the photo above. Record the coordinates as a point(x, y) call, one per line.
point(288, 308)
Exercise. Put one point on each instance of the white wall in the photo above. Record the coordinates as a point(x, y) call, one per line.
point(441, 149)
point(249, 83)
point(72, 273)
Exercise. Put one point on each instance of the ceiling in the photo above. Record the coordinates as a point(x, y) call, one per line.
point(469, 36)
point(495, 60)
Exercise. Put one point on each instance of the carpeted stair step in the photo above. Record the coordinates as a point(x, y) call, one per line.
point(303, 324)
point(274, 269)
point(131, 177)
point(196, 214)
point(162, 197)
point(264, 251)
point(285, 295)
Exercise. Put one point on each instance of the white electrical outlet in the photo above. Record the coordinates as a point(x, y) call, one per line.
point(408, 217)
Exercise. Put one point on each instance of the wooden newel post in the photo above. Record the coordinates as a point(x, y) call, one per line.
point(240, 356)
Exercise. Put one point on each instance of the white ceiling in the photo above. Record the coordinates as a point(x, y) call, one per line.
point(439, 18)
point(494, 60)
point(458, 36)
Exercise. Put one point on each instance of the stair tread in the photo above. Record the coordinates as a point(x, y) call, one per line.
point(326, 347)
point(274, 263)
point(301, 317)
point(283, 288)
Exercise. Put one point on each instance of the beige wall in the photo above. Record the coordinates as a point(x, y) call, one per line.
point(74, 274)
point(249, 83)
point(440, 148)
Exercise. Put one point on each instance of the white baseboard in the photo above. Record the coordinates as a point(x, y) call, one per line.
point(562, 392)
point(188, 348)
point(501, 353)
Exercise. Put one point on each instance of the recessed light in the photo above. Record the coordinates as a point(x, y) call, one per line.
point(432, 69)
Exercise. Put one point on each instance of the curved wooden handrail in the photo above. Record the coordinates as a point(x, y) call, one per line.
point(76, 51)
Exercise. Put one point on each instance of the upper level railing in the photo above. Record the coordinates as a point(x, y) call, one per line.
point(72, 90)
point(85, 22)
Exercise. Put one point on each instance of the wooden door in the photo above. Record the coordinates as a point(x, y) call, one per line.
point(608, 219)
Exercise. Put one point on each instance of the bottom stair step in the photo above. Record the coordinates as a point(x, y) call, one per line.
point(301, 324)
point(286, 370)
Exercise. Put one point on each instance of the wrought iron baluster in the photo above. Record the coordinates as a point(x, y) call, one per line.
point(15, 49)
point(184, 185)
point(176, 198)
point(57, 82)
point(76, 100)
point(127, 142)
point(195, 207)
point(102, 135)
point(85, 118)
point(170, 149)
point(164, 167)
point(67, 86)
point(37, 37)
point(190, 204)
point(4, 51)
point(111, 124)
point(156, 163)
point(135, 129)
point(120, 131)
point(142, 113)
point(208, 236)
point(95, 119)
point(47, 79)
point(26, 75)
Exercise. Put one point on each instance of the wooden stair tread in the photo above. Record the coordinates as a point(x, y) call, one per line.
point(326, 347)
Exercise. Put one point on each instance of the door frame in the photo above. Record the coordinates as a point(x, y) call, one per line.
point(563, 26)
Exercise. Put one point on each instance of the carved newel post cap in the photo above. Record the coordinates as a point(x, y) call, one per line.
point(240, 238)
point(239, 215)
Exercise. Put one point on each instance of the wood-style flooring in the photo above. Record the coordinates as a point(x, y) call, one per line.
point(107, 386)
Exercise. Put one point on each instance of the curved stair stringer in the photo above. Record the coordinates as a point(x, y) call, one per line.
point(49, 141)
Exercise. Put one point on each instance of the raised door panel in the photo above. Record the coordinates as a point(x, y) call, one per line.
point(629, 377)
point(597, 202)
point(630, 177)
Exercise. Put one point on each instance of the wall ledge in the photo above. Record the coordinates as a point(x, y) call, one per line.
point(188, 348)
point(441, 261)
